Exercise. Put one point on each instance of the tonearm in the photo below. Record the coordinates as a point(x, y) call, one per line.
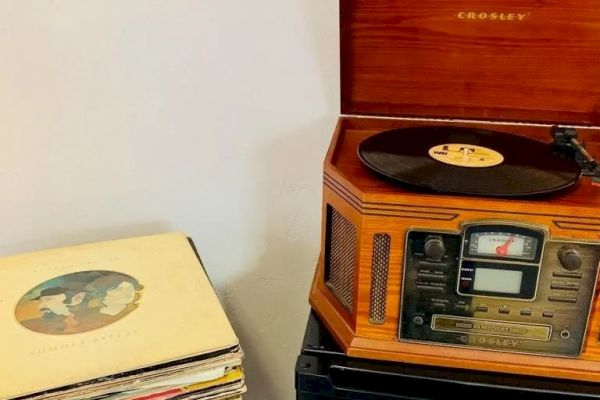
point(566, 140)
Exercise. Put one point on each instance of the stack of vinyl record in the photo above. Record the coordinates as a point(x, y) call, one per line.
point(128, 319)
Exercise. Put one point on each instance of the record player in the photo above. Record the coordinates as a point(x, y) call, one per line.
point(461, 210)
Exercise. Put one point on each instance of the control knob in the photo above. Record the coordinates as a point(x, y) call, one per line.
point(434, 248)
point(569, 258)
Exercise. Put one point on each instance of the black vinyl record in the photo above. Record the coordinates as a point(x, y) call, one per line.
point(468, 161)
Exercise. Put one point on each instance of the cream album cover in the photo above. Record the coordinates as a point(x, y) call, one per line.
point(80, 313)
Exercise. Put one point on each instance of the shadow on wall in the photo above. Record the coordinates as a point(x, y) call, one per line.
point(325, 33)
point(269, 306)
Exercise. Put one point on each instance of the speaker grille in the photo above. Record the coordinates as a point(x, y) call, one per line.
point(379, 278)
point(340, 257)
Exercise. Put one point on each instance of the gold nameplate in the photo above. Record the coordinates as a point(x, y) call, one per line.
point(445, 323)
point(492, 16)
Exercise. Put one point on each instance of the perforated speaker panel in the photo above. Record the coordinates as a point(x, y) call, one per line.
point(379, 278)
point(340, 257)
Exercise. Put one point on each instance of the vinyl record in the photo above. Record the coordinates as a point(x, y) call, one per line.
point(468, 161)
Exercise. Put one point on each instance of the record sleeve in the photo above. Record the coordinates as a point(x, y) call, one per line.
point(85, 312)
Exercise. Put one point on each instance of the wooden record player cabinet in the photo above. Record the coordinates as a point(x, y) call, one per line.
point(518, 66)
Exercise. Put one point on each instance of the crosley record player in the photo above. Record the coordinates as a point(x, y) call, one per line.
point(460, 226)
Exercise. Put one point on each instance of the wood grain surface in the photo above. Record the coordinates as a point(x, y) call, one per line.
point(377, 206)
point(518, 60)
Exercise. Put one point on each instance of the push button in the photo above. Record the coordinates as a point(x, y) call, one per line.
point(548, 314)
point(430, 276)
point(565, 286)
point(439, 289)
point(465, 283)
point(563, 299)
point(504, 310)
point(526, 312)
point(482, 308)
point(429, 264)
point(564, 274)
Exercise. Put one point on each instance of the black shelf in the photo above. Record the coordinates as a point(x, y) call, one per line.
point(324, 372)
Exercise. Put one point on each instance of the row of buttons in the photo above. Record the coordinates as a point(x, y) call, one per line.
point(573, 286)
point(502, 310)
point(526, 312)
point(431, 277)
point(440, 288)
point(437, 287)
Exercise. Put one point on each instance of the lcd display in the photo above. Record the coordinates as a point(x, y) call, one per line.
point(497, 280)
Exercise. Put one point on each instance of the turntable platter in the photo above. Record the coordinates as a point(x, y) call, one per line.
point(468, 161)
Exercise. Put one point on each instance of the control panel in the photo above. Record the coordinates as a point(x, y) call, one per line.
point(498, 285)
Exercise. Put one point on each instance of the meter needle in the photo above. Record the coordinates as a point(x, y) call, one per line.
point(502, 250)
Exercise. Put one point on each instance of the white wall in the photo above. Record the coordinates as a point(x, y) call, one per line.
point(122, 118)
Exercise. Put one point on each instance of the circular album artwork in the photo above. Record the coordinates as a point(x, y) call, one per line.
point(78, 302)
point(468, 161)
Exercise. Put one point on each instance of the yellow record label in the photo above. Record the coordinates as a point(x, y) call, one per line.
point(466, 155)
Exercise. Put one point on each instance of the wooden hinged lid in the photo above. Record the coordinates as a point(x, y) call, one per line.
point(511, 60)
